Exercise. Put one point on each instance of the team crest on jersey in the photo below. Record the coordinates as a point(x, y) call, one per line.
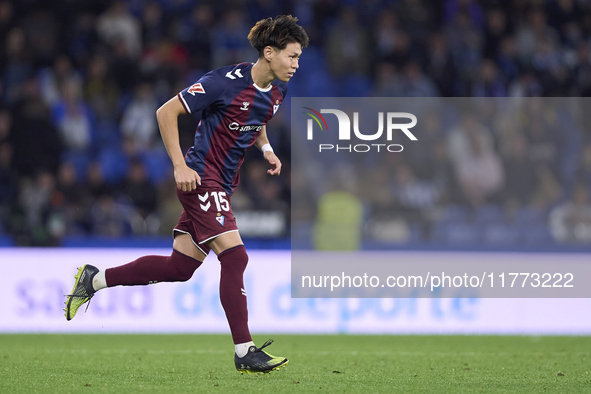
point(220, 218)
point(275, 108)
point(197, 88)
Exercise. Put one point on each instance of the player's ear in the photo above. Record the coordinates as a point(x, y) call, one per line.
point(268, 53)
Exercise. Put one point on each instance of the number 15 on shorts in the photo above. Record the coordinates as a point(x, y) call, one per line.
point(221, 203)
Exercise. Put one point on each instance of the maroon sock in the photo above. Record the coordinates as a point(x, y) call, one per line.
point(152, 269)
point(232, 294)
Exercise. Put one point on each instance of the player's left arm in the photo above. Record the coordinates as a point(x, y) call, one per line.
point(262, 143)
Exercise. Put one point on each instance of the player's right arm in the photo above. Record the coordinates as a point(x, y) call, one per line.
point(186, 178)
point(191, 100)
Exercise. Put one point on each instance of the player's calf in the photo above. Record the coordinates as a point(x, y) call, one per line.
point(153, 269)
point(146, 270)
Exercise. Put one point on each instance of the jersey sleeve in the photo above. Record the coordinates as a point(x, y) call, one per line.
point(202, 94)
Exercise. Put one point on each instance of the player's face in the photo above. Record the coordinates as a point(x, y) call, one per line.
point(285, 62)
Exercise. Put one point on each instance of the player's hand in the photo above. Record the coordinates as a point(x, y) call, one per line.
point(186, 178)
point(275, 163)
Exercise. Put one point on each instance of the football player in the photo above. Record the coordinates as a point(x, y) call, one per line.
point(235, 104)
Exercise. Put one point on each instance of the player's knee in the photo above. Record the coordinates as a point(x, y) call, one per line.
point(184, 266)
point(235, 257)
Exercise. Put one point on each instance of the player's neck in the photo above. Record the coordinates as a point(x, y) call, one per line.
point(262, 75)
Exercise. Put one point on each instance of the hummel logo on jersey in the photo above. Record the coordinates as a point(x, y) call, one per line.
point(245, 105)
point(197, 88)
point(236, 72)
point(243, 291)
point(221, 219)
point(202, 198)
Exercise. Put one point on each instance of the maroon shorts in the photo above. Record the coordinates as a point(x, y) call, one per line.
point(207, 213)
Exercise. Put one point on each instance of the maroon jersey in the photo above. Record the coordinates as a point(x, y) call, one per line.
point(233, 110)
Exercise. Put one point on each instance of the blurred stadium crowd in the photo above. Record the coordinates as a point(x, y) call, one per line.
point(80, 152)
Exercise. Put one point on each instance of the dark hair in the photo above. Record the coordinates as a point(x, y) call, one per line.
point(277, 33)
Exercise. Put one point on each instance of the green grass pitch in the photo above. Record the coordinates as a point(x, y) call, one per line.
point(330, 363)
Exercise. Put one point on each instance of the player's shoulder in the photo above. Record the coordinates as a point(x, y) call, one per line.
point(220, 80)
point(233, 73)
point(281, 86)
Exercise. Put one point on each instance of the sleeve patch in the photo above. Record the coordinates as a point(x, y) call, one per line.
point(196, 88)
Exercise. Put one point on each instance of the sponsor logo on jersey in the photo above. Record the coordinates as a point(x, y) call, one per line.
point(236, 126)
point(197, 88)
